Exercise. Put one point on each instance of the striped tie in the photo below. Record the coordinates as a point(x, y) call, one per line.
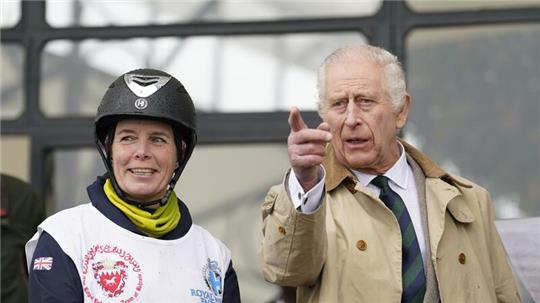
point(414, 279)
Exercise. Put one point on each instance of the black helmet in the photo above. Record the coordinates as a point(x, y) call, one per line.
point(147, 94)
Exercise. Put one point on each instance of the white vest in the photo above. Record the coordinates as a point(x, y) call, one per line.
point(116, 265)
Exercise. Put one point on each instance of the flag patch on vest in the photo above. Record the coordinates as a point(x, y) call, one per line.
point(43, 263)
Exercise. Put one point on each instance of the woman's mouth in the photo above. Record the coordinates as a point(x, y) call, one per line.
point(143, 172)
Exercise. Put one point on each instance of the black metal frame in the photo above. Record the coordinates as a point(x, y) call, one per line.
point(388, 28)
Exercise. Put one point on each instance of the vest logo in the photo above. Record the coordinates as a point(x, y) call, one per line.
point(111, 276)
point(111, 272)
point(212, 277)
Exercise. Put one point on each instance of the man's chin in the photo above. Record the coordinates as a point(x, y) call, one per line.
point(356, 162)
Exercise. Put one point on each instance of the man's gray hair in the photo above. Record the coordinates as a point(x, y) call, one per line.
point(393, 74)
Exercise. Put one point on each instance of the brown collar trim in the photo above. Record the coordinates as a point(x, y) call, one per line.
point(336, 173)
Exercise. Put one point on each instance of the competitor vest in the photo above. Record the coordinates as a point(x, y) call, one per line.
point(116, 265)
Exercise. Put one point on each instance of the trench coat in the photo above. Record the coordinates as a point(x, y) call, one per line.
point(349, 249)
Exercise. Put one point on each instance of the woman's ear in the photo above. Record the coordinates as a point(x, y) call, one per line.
point(184, 147)
point(181, 153)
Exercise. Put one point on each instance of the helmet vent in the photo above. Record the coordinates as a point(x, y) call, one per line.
point(145, 85)
point(145, 82)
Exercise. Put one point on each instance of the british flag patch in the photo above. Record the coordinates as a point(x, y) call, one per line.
point(43, 263)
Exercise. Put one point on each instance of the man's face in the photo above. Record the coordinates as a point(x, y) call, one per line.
point(143, 158)
point(361, 117)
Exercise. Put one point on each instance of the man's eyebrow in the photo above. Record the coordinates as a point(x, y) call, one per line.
point(340, 95)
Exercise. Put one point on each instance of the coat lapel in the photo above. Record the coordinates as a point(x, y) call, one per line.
point(441, 196)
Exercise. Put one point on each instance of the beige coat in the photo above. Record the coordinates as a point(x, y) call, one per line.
point(349, 249)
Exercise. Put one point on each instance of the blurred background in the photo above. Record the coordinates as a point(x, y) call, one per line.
point(473, 70)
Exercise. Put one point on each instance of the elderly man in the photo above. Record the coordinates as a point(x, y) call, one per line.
point(369, 218)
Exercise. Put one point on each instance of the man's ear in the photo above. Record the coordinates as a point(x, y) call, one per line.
point(403, 113)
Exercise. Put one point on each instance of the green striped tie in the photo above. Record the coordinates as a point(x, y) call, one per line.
point(414, 279)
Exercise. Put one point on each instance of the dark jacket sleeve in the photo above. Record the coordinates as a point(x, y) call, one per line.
point(231, 292)
point(60, 283)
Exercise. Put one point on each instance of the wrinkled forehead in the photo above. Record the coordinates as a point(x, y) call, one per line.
point(353, 74)
point(353, 64)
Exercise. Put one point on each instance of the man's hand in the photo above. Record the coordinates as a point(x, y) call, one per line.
point(306, 148)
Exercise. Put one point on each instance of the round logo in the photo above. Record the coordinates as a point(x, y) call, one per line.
point(110, 272)
point(141, 103)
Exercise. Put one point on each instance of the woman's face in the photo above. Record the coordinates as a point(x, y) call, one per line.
point(143, 158)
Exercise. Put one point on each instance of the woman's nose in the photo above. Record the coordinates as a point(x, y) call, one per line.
point(142, 152)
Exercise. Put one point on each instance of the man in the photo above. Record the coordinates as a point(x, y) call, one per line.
point(369, 218)
point(21, 209)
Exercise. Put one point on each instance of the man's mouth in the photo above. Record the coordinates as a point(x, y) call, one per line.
point(356, 142)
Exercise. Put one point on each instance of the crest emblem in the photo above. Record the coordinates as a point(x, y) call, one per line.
point(110, 272)
point(111, 276)
point(212, 277)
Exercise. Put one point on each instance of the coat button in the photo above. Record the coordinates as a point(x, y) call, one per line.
point(361, 245)
point(462, 258)
point(281, 229)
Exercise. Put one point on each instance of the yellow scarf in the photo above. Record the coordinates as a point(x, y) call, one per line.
point(156, 224)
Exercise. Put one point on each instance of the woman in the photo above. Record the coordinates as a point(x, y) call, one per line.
point(135, 241)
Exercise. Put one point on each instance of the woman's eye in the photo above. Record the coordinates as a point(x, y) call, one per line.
point(159, 140)
point(127, 139)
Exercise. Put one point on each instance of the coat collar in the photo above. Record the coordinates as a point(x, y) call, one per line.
point(337, 173)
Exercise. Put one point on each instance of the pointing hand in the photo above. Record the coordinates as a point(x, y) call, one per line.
point(306, 148)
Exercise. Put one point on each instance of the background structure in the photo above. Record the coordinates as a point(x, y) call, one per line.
point(473, 69)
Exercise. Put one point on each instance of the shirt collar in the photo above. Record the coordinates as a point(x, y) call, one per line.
point(337, 173)
point(397, 173)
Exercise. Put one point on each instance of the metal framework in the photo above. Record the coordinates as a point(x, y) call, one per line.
point(388, 28)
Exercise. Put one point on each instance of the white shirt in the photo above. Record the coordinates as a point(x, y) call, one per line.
point(401, 181)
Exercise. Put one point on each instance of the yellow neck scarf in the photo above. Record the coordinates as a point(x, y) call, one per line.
point(156, 224)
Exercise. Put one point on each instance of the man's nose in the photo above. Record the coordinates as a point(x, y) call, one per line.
point(352, 115)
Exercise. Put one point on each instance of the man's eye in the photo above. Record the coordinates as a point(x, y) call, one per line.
point(339, 104)
point(366, 101)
